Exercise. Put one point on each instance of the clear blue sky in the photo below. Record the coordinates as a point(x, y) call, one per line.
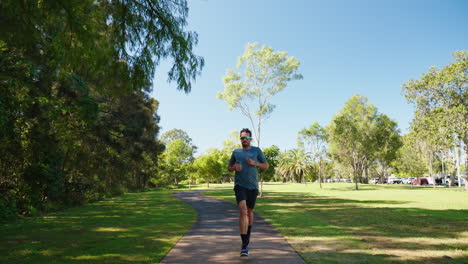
point(345, 47)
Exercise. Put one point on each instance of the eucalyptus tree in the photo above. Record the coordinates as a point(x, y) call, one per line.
point(426, 129)
point(388, 140)
point(409, 161)
point(314, 140)
point(349, 137)
point(261, 73)
point(442, 95)
point(231, 143)
point(359, 135)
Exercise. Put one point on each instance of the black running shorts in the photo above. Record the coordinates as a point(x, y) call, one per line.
point(250, 196)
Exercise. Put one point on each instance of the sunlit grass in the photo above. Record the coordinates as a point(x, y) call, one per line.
point(134, 228)
point(377, 224)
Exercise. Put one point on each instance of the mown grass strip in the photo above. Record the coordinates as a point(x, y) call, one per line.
point(378, 224)
point(133, 228)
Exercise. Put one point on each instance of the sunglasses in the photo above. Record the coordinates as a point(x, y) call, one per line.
point(245, 138)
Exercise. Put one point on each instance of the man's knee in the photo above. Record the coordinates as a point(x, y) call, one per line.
point(243, 208)
point(249, 211)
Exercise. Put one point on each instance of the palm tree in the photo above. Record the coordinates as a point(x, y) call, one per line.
point(294, 165)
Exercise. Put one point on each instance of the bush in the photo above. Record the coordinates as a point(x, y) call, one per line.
point(8, 209)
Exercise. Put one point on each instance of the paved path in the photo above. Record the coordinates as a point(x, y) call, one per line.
point(214, 238)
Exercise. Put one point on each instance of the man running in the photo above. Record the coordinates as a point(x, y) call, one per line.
point(245, 161)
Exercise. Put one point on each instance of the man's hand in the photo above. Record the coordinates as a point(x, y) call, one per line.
point(251, 162)
point(262, 166)
point(235, 167)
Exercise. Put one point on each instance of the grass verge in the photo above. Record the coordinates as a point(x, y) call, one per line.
point(133, 228)
point(377, 224)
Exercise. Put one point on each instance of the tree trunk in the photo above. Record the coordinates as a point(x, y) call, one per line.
point(355, 172)
point(261, 184)
point(366, 173)
point(465, 143)
point(355, 180)
point(320, 173)
point(431, 174)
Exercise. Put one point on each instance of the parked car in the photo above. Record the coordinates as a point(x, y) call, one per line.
point(408, 180)
point(422, 181)
point(375, 180)
point(449, 180)
point(394, 180)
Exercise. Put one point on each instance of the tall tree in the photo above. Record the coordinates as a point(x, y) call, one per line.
point(211, 166)
point(137, 34)
point(179, 153)
point(176, 133)
point(441, 95)
point(314, 140)
point(262, 73)
point(357, 135)
point(79, 72)
point(388, 141)
point(408, 161)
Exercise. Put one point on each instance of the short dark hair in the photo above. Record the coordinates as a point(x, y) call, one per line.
point(247, 131)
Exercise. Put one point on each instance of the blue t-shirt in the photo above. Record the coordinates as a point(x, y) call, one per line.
point(247, 177)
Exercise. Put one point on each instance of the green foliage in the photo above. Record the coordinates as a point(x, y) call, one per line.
point(409, 162)
point(441, 116)
point(359, 136)
point(272, 155)
point(212, 166)
point(74, 110)
point(314, 140)
point(175, 161)
point(231, 143)
point(295, 165)
point(263, 73)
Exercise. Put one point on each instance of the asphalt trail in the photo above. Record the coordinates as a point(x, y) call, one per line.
point(214, 238)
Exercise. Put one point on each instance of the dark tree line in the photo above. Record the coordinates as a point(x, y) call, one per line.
point(76, 121)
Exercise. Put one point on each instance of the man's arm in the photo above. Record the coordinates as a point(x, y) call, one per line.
point(262, 166)
point(231, 167)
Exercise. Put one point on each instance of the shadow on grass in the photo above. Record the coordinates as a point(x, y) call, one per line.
point(373, 187)
point(134, 228)
point(406, 230)
point(332, 230)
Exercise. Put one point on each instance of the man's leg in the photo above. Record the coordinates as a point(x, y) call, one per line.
point(251, 199)
point(243, 224)
point(250, 215)
point(243, 217)
point(249, 227)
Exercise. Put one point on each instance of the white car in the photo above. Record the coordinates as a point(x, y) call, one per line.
point(408, 180)
point(394, 180)
point(374, 180)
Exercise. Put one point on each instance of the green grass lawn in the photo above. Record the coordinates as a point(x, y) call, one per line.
point(377, 224)
point(134, 228)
